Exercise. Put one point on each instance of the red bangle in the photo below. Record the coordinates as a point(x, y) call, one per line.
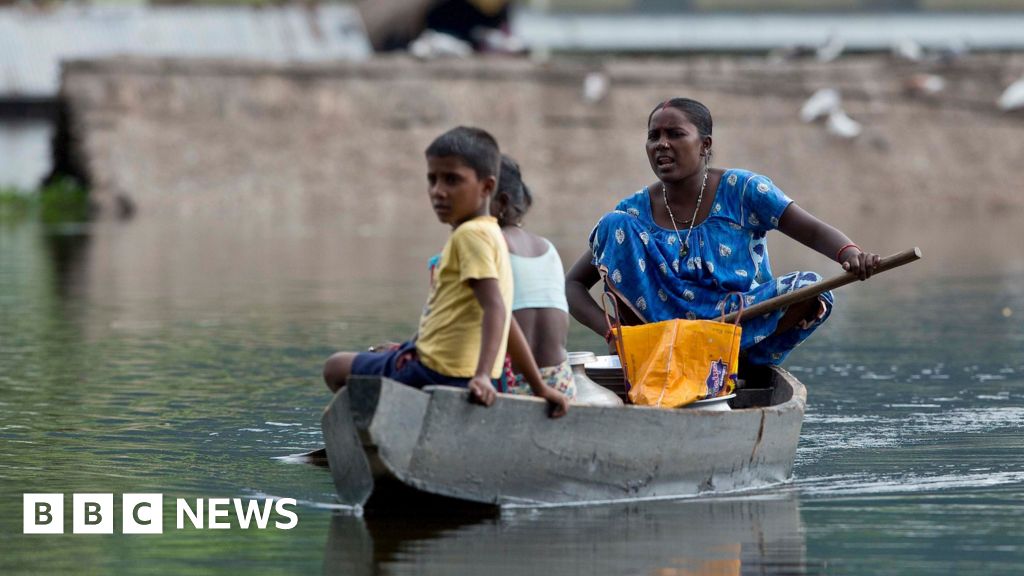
point(609, 335)
point(840, 252)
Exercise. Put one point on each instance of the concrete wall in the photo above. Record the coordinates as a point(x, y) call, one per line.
point(345, 140)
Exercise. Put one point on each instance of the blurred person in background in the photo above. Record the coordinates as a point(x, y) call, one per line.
point(395, 24)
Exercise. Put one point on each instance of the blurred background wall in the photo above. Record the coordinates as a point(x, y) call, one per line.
point(296, 110)
point(183, 137)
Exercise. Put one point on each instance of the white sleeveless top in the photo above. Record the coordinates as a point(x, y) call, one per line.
point(539, 281)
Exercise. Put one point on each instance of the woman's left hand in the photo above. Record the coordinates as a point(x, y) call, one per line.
point(859, 263)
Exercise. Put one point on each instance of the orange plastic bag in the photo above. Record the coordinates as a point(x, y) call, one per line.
point(676, 362)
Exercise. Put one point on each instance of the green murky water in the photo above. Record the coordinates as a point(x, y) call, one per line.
point(182, 358)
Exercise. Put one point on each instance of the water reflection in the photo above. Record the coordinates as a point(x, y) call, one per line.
point(182, 356)
point(67, 248)
point(724, 536)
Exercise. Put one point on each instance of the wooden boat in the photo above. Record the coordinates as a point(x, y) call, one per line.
point(383, 438)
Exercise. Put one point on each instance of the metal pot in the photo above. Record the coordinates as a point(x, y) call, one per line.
point(587, 391)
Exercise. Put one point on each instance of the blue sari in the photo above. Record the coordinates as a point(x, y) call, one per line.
point(727, 252)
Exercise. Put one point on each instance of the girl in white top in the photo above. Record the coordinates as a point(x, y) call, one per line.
point(538, 302)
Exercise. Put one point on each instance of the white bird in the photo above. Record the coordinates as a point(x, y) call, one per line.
point(1013, 97)
point(925, 84)
point(907, 49)
point(432, 44)
point(841, 125)
point(831, 49)
point(595, 87)
point(821, 103)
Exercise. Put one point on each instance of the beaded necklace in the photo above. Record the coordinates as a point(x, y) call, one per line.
point(684, 245)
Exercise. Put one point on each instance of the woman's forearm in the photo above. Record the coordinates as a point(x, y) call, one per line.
point(817, 235)
point(584, 309)
point(578, 281)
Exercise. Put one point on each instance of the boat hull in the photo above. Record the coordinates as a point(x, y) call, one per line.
point(380, 433)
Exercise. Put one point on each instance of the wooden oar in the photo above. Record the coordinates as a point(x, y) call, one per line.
point(808, 292)
point(316, 457)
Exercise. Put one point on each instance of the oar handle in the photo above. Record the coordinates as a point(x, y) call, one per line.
point(808, 292)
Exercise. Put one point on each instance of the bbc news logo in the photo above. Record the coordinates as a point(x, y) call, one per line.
point(144, 513)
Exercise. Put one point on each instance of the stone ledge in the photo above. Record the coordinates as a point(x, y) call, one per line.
point(297, 142)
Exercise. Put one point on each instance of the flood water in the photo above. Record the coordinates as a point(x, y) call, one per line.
point(183, 357)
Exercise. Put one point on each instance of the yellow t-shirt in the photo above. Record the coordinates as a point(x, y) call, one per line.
point(450, 327)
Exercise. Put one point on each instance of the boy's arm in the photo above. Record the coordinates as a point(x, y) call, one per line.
point(523, 359)
point(491, 331)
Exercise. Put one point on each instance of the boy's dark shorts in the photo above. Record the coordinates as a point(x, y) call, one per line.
point(413, 373)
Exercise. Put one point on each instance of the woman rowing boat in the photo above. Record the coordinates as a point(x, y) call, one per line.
point(678, 247)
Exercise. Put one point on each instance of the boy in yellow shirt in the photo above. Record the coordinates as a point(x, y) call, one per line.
point(467, 320)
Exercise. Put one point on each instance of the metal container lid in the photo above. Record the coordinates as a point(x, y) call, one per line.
point(577, 358)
